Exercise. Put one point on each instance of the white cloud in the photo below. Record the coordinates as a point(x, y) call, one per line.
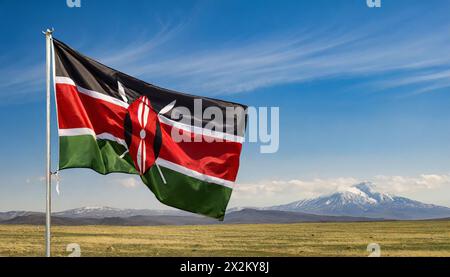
point(129, 182)
point(405, 184)
point(273, 192)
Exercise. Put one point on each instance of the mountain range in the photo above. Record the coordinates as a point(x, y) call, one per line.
point(360, 202)
point(242, 216)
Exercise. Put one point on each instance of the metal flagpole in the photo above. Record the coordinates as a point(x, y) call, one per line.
point(48, 174)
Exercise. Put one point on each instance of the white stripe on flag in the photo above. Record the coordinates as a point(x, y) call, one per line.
point(200, 131)
point(87, 131)
point(91, 93)
point(194, 174)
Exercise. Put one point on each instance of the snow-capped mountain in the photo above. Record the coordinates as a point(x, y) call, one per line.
point(105, 212)
point(363, 200)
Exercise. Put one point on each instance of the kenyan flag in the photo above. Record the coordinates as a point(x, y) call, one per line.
point(111, 122)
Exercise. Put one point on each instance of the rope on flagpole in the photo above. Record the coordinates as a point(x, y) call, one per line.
point(57, 180)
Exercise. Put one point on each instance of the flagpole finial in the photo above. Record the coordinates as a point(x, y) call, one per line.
point(48, 31)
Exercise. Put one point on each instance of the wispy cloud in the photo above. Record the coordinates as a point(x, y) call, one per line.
point(306, 56)
point(21, 80)
point(128, 55)
point(423, 80)
point(418, 60)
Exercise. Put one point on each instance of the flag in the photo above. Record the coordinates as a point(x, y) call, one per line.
point(110, 122)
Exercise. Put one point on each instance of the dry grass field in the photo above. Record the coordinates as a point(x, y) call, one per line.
point(408, 238)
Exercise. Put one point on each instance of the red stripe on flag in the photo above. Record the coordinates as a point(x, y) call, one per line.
point(218, 159)
point(78, 110)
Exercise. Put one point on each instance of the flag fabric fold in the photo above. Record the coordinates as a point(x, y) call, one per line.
point(111, 122)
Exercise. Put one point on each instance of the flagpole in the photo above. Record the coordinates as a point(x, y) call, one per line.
point(48, 177)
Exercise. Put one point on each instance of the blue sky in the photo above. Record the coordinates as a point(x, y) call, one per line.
point(363, 93)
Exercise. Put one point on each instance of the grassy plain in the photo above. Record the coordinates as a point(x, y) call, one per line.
point(406, 238)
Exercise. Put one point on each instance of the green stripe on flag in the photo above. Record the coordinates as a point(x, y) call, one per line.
point(187, 193)
point(102, 156)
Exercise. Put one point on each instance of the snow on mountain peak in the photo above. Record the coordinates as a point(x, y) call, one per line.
point(95, 208)
point(369, 189)
point(355, 195)
point(92, 208)
point(356, 191)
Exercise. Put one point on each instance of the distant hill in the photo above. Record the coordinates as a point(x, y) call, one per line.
point(39, 219)
point(362, 200)
point(270, 216)
point(102, 212)
point(243, 216)
point(13, 214)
